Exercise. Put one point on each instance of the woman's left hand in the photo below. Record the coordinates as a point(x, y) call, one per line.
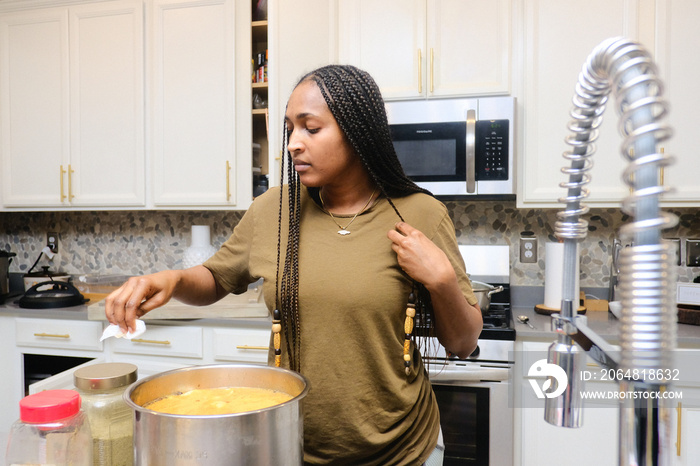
point(419, 257)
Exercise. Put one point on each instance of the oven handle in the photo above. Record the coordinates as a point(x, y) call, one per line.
point(467, 373)
point(471, 151)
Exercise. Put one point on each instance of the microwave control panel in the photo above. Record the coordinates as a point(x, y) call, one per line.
point(491, 150)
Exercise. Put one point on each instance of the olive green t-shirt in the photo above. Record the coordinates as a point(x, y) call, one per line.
point(361, 407)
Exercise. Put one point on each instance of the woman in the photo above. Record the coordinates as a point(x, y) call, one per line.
point(345, 251)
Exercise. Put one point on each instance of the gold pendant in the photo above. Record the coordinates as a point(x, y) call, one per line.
point(343, 232)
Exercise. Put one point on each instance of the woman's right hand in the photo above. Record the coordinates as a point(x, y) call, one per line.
point(138, 296)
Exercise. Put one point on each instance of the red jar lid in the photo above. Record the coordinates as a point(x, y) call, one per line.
point(49, 406)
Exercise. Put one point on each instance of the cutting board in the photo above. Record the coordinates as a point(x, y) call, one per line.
point(248, 304)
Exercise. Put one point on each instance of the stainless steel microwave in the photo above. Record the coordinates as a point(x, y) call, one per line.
point(456, 147)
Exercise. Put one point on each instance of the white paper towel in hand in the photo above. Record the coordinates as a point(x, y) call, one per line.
point(114, 331)
point(554, 275)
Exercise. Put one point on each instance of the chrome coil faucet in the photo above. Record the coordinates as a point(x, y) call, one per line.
point(647, 272)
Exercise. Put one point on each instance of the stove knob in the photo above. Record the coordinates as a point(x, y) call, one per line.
point(476, 352)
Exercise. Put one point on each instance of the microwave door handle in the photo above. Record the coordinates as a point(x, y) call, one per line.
point(471, 151)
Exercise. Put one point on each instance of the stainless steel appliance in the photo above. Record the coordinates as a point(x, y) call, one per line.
point(473, 394)
point(271, 435)
point(456, 147)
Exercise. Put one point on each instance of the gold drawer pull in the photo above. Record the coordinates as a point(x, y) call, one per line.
point(420, 72)
point(679, 412)
point(51, 335)
point(70, 183)
point(228, 181)
point(264, 348)
point(63, 172)
point(155, 342)
point(432, 77)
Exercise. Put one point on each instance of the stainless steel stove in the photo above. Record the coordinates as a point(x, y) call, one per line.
point(474, 393)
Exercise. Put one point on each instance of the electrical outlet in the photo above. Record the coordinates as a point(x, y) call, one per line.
point(52, 241)
point(692, 253)
point(528, 250)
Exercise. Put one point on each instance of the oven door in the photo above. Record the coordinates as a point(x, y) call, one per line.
point(476, 419)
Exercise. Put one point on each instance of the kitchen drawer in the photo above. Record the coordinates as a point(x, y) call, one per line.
point(164, 340)
point(55, 333)
point(242, 345)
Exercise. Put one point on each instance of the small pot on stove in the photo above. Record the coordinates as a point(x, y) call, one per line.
point(483, 292)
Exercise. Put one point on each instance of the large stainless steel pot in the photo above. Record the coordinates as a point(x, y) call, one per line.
point(483, 292)
point(268, 436)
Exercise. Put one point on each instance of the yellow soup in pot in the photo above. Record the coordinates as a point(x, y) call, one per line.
point(211, 401)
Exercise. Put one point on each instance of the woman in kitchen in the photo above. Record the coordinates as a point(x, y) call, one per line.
point(348, 249)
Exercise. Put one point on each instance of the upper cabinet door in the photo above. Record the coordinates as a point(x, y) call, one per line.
point(429, 48)
point(72, 112)
point(677, 35)
point(468, 47)
point(107, 104)
point(555, 50)
point(192, 103)
point(34, 93)
point(386, 39)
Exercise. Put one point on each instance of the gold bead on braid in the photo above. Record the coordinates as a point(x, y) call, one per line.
point(277, 341)
point(408, 330)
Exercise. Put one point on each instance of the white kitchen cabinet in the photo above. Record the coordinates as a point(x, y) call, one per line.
point(9, 392)
point(241, 344)
point(554, 50)
point(685, 425)
point(72, 124)
point(164, 340)
point(543, 444)
point(200, 144)
point(551, 68)
point(429, 48)
point(298, 42)
point(676, 36)
point(22, 337)
point(685, 409)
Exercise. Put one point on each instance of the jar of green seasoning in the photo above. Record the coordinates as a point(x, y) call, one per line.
point(101, 387)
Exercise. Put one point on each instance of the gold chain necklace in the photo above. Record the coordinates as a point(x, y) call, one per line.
point(344, 229)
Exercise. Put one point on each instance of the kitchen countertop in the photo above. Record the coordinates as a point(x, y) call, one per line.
point(256, 311)
point(603, 323)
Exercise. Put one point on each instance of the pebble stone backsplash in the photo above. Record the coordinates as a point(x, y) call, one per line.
point(138, 242)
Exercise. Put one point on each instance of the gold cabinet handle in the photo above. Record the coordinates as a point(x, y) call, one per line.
point(679, 411)
point(63, 172)
point(420, 71)
point(263, 348)
point(228, 181)
point(432, 77)
point(70, 184)
point(52, 335)
point(154, 342)
point(661, 175)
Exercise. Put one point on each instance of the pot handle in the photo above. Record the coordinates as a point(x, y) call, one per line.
point(496, 289)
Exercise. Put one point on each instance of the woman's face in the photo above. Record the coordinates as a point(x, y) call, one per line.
point(320, 152)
